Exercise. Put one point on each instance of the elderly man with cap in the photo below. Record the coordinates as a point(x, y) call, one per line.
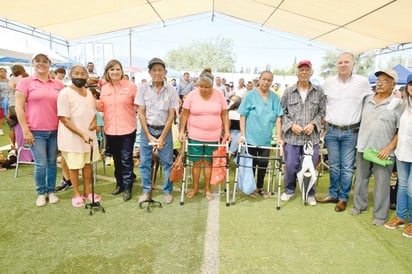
point(157, 101)
point(303, 107)
point(378, 131)
point(344, 97)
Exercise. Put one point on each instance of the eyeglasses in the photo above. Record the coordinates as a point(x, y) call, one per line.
point(383, 81)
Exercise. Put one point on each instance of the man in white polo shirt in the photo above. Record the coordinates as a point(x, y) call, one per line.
point(344, 97)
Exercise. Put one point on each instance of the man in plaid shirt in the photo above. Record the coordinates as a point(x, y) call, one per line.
point(303, 107)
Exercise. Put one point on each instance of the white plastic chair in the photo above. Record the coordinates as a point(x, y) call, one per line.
point(18, 162)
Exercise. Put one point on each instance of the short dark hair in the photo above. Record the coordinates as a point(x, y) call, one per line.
point(60, 70)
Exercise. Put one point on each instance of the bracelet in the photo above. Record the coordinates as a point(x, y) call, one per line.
point(243, 137)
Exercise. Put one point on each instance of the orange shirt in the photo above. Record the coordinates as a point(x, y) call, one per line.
point(117, 104)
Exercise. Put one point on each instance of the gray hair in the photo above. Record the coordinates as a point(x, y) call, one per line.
point(206, 75)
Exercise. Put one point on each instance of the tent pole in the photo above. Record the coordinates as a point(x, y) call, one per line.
point(130, 47)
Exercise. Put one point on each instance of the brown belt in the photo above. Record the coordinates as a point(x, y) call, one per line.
point(345, 127)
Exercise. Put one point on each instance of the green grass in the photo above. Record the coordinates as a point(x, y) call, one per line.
point(253, 237)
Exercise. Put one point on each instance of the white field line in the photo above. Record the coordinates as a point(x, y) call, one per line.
point(210, 263)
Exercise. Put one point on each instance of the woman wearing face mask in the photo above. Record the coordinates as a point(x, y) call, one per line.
point(36, 109)
point(77, 129)
point(117, 103)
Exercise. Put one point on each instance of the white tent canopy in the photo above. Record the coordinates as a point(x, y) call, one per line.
point(18, 45)
point(350, 25)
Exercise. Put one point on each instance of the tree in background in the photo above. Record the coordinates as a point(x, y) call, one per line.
point(216, 53)
point(397, 60)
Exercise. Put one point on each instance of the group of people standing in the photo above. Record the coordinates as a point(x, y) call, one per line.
point(353, 116)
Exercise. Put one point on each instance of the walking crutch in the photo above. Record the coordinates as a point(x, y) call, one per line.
point(94, 204)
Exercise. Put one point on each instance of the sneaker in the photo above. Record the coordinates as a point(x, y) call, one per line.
point(378, 222)
point(41, 200)
point(1, 132)
point(53, 199)
point(144, 197)
point(168, 198)
point(312, 201)
point(354, 211)
point(286, 197)
point(107, 161)
point(395, 223)
point(64, 185)
point(408, 231)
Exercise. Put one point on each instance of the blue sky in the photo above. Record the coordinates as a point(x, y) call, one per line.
point(253, 47)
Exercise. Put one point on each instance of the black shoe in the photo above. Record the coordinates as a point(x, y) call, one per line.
point(64, 185)
point(117, 191)
point(127, 195)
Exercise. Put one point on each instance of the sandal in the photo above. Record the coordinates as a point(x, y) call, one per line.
point(97, 198)
point(209, 196)
point(263, 193)
point(77, 201)
point(253, 195)
point(191, 194)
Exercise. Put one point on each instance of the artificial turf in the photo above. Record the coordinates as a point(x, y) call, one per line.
point(253, 236)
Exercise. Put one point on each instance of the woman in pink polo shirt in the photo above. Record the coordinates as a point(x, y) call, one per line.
point(36, 109)
point(117, 103)
point(204, 112)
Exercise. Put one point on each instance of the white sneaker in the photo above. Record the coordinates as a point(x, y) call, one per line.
point(144, 197)
point(53, 199)
point(41, 200)
point(168, 198)
point(107, 161)
point(285, 197)
point(312, 201)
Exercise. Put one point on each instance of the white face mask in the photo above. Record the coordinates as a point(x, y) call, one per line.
point(231, 103)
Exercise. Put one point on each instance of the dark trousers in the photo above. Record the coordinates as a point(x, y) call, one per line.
point(261, 163)
point(121, 148)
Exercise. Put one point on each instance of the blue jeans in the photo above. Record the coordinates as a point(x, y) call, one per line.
point(292, 161)
point(44, 153)
point(404, 196)
point(121, 148)
point(166, 157)
point(341, 145)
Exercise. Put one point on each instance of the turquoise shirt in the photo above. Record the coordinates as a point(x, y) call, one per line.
point(260, 117)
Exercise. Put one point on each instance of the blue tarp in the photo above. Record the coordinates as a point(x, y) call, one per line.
point(400, 70)
point(5, 59)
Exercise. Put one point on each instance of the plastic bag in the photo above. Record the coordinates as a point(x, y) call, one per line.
point(371, 155)
point(246, 179)
point(219, 161)
point(175, 134)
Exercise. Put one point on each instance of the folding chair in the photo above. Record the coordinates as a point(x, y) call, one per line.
point(18, 162)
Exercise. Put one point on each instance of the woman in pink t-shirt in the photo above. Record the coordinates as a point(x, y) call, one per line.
point(77, 131)
point(204, 113)
point(36, 109)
